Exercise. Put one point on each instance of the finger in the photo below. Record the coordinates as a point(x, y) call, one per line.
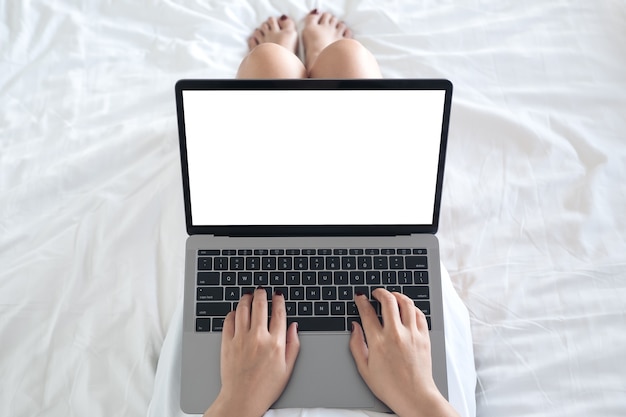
point(228, 329)
point(242, 318)
point(420, 318)
point(407, 309)
point(278, 322)
point(359, 349)
point(388, 307)
point(258, 318)
point(368, 315)
point(292, 347)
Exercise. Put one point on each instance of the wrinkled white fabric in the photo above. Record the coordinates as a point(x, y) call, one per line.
point(91, 217)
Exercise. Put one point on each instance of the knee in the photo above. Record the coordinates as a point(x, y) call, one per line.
point(270, 60)
point(265, 52)
point(346, 49)
point(346, 58)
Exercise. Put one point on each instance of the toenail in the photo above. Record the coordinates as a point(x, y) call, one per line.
point(314, 11)
point(283, 17)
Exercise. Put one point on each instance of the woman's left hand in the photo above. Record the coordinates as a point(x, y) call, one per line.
point(256, 361)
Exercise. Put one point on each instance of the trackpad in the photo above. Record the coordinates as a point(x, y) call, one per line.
point(325, 375)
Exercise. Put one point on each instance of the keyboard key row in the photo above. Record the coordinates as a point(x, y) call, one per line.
point(308, 293)
point(301, 308)
point(312, 278)
point(216, 324)
point(323, 252)
point(316, 263)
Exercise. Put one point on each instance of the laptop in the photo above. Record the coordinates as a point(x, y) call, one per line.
point(319, 189)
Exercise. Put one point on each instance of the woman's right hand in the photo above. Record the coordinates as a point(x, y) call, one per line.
point(395, 361)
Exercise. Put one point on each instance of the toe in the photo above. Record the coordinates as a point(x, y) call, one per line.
point(285, 22)
point(343, 30)
point(258, 35)
point(312, 18)
point(325, 18)
point(272, 24)
point(252, 42)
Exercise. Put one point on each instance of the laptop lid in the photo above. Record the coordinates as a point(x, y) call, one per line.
point(312, 157)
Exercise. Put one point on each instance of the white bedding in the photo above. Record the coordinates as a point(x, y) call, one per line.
point(91, 216)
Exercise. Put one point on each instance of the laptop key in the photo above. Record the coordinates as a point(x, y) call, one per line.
point(333, 263)
point(229, 278)
point(208, 252)
point(424, 306)
point(244, 278)
point(318, 323)
point(380, 262)
point(213, 309)
point(290, 308)
point(396, 262)
point(220, 263)
point(208, 278)
point(416, 293)
point(337, 308)
point(321, 308)
point(268, 263)
point(217, 324)
point(237, 263)
point(284, 263)
point(300, 263)
point(261, 278)
point(420, 277)
point(253, 263)
point(365, 262)
point(305, 308)
point(416, 262)
point(204, 264)
point(209, 293)
point(231, 293)
point(203, 324)
point(348, 262)
point(317, 263)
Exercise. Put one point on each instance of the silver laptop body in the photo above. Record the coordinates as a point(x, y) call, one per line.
point(304, 179)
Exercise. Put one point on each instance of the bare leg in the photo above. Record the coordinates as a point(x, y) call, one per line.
point(273, 48)
point(330, 51)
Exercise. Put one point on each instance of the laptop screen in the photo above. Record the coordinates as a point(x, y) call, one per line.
point(311, 157)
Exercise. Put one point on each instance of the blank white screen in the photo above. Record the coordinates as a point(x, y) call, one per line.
point(312, 157)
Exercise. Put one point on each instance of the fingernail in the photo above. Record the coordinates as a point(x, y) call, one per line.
point(278, 292)
point(260, 287)
point(352, 329)
point(283, 17)
point(359, 293)
point(314, 11)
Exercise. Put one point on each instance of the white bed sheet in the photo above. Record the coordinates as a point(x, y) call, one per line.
point(91, 217)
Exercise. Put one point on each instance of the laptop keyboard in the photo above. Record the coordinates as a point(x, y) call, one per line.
point(318, 284)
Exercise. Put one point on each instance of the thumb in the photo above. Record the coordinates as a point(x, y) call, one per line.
point(359, 349)
point(292, 346)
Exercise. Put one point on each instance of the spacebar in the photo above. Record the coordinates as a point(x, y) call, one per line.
point(318, 323)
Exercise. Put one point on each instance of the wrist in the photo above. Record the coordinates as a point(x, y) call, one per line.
point(431, 404)
point(226, 407)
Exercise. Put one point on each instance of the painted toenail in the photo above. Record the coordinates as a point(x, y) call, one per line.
point(314, 11)
point(283, 17)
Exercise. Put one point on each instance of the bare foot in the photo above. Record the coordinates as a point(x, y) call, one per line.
point(281, 31)
point(320, 30)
